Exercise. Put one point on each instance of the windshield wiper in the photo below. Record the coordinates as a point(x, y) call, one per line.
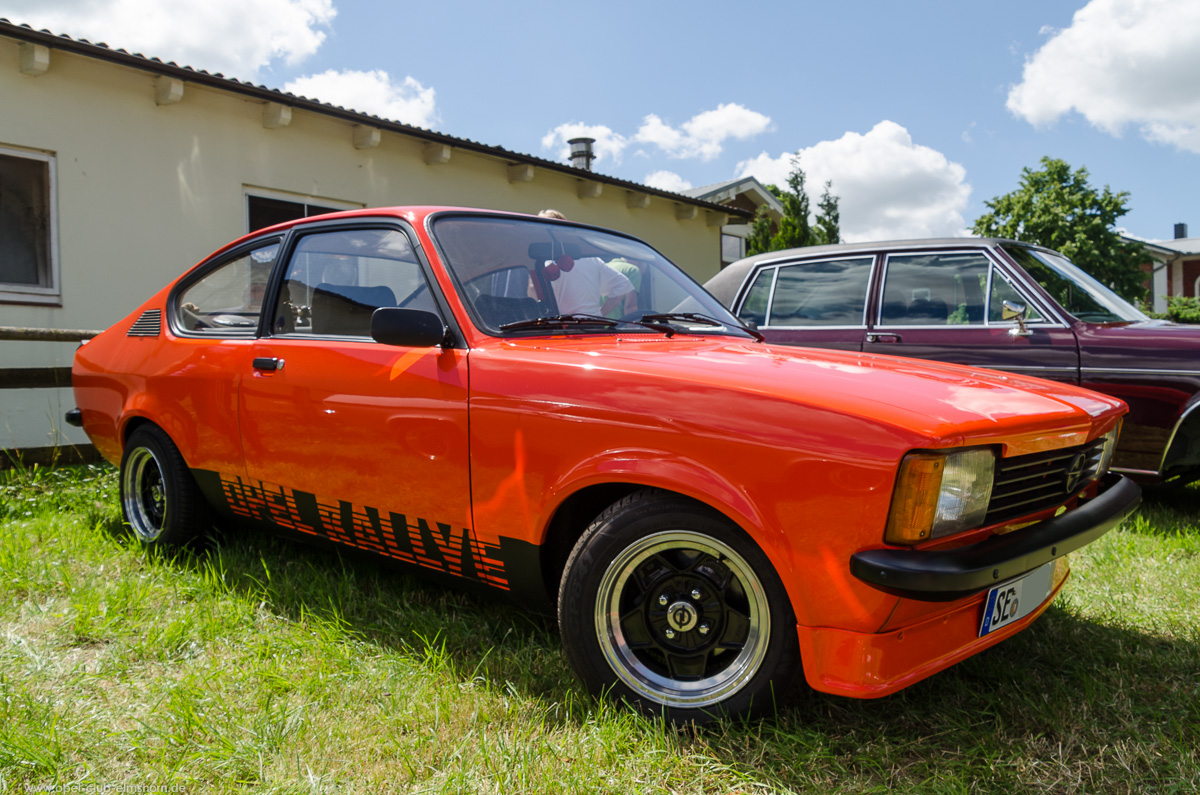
point(667, 317)
point(561, 321)
point(693, 317)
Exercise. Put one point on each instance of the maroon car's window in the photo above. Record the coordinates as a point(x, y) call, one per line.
point(754, 308)
point(1075, 290)
point(828, 293)
point(228, 299)
point(336, 280)
point(934, 289)
point(1003, 291)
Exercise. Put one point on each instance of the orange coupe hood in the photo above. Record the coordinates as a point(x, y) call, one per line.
point(947, 403)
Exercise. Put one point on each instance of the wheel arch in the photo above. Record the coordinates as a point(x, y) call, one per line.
point(132, 424)
point(572, 516)
point(1181, 455)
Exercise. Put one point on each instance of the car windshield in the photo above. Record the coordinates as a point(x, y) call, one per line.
point(521, 276)
point(1074, 289)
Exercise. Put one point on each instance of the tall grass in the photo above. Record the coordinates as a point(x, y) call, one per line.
point(259, 665)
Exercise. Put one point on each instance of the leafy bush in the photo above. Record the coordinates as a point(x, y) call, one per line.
point(1183, 309)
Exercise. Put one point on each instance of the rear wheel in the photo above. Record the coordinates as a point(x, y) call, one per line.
point(159, 497)
point(668, 605)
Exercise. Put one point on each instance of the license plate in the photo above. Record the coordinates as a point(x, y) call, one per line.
point(1016, 599)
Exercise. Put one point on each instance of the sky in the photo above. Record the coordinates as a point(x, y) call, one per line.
point(917, 112)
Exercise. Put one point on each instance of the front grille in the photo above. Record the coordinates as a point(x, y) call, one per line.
point(148, 325)
point(1026, 484)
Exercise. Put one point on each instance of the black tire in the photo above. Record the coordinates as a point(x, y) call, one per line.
point(670, 606)
point(159, 497)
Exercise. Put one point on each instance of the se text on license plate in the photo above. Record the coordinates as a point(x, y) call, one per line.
point(1013, 600)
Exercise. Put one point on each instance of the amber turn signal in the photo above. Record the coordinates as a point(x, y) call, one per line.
point(915, 501)
point(938, 494)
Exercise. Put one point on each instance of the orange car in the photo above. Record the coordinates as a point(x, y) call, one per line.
point(709, 514)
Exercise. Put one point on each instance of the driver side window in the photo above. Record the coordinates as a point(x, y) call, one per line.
point(336, 280)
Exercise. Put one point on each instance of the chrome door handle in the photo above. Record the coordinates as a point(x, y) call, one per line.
point(883, 338)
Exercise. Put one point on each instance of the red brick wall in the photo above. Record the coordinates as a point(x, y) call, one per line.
point(1191, 270)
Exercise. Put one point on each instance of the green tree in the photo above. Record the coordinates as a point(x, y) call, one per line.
point(828, 227)
point(796, 228)
point(1057, 208)
point(759, 239)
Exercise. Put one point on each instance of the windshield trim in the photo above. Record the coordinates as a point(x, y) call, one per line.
point(1122, 310)
point(730, 324)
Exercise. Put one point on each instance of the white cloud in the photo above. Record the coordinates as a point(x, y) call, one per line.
point(667, 180)
point(1120, 62)
point(237, 38)
point(888, 187)
point(370, 92)
point(609, 145)
point(703, 136)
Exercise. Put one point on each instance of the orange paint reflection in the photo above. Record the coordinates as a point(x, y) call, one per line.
point(513, 484)
point(404, 362)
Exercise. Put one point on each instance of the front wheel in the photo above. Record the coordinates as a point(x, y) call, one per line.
point(159, 497)
point(668, 605)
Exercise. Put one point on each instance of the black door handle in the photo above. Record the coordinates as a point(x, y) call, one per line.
point(267, 363)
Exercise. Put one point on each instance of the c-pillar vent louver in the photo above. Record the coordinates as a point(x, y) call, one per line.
point(148, 325)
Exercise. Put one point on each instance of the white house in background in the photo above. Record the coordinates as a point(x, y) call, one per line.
point(744, 194)
point(1174, 267)
point(118, 172)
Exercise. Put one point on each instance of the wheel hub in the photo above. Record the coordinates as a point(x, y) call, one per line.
point(682, 616)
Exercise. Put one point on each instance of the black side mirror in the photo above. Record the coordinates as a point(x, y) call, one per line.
point(410, 328)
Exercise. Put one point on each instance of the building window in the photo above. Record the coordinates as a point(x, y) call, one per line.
point(28, 261)
point(733, 248)
point(264, 211)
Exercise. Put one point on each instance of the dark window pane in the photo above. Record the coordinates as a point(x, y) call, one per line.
point(1075, 290)
point(754, 308)
point(24, 221)
point(268, 212)
point(935, 290)
point(336, 280)
point(832, 293)
point(229, 298)
point(732, 248)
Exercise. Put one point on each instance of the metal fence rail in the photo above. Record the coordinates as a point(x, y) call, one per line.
point(43, 378)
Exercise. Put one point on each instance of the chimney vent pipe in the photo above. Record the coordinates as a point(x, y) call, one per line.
point(581, 153)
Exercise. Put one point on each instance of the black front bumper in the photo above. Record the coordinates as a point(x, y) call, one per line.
point(942, 576)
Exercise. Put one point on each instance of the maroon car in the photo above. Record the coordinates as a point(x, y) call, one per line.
point(992, 303)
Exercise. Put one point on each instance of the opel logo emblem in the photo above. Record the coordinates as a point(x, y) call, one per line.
point(1075, 473)
point(681, 616)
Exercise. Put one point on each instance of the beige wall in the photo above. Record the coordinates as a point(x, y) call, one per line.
point(144, 191)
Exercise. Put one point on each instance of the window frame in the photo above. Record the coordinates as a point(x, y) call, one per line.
point(51, 292)
point(777, 266)
point(250, 191)
point(215, 263)
point(284, 262)
point(995, 266)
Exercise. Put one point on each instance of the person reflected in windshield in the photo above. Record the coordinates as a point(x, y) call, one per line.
point(588, 285)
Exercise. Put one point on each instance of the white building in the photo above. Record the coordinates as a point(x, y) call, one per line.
point(118, 172)
point(1174, 267)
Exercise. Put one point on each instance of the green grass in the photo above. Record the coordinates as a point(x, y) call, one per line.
point(260, 665)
